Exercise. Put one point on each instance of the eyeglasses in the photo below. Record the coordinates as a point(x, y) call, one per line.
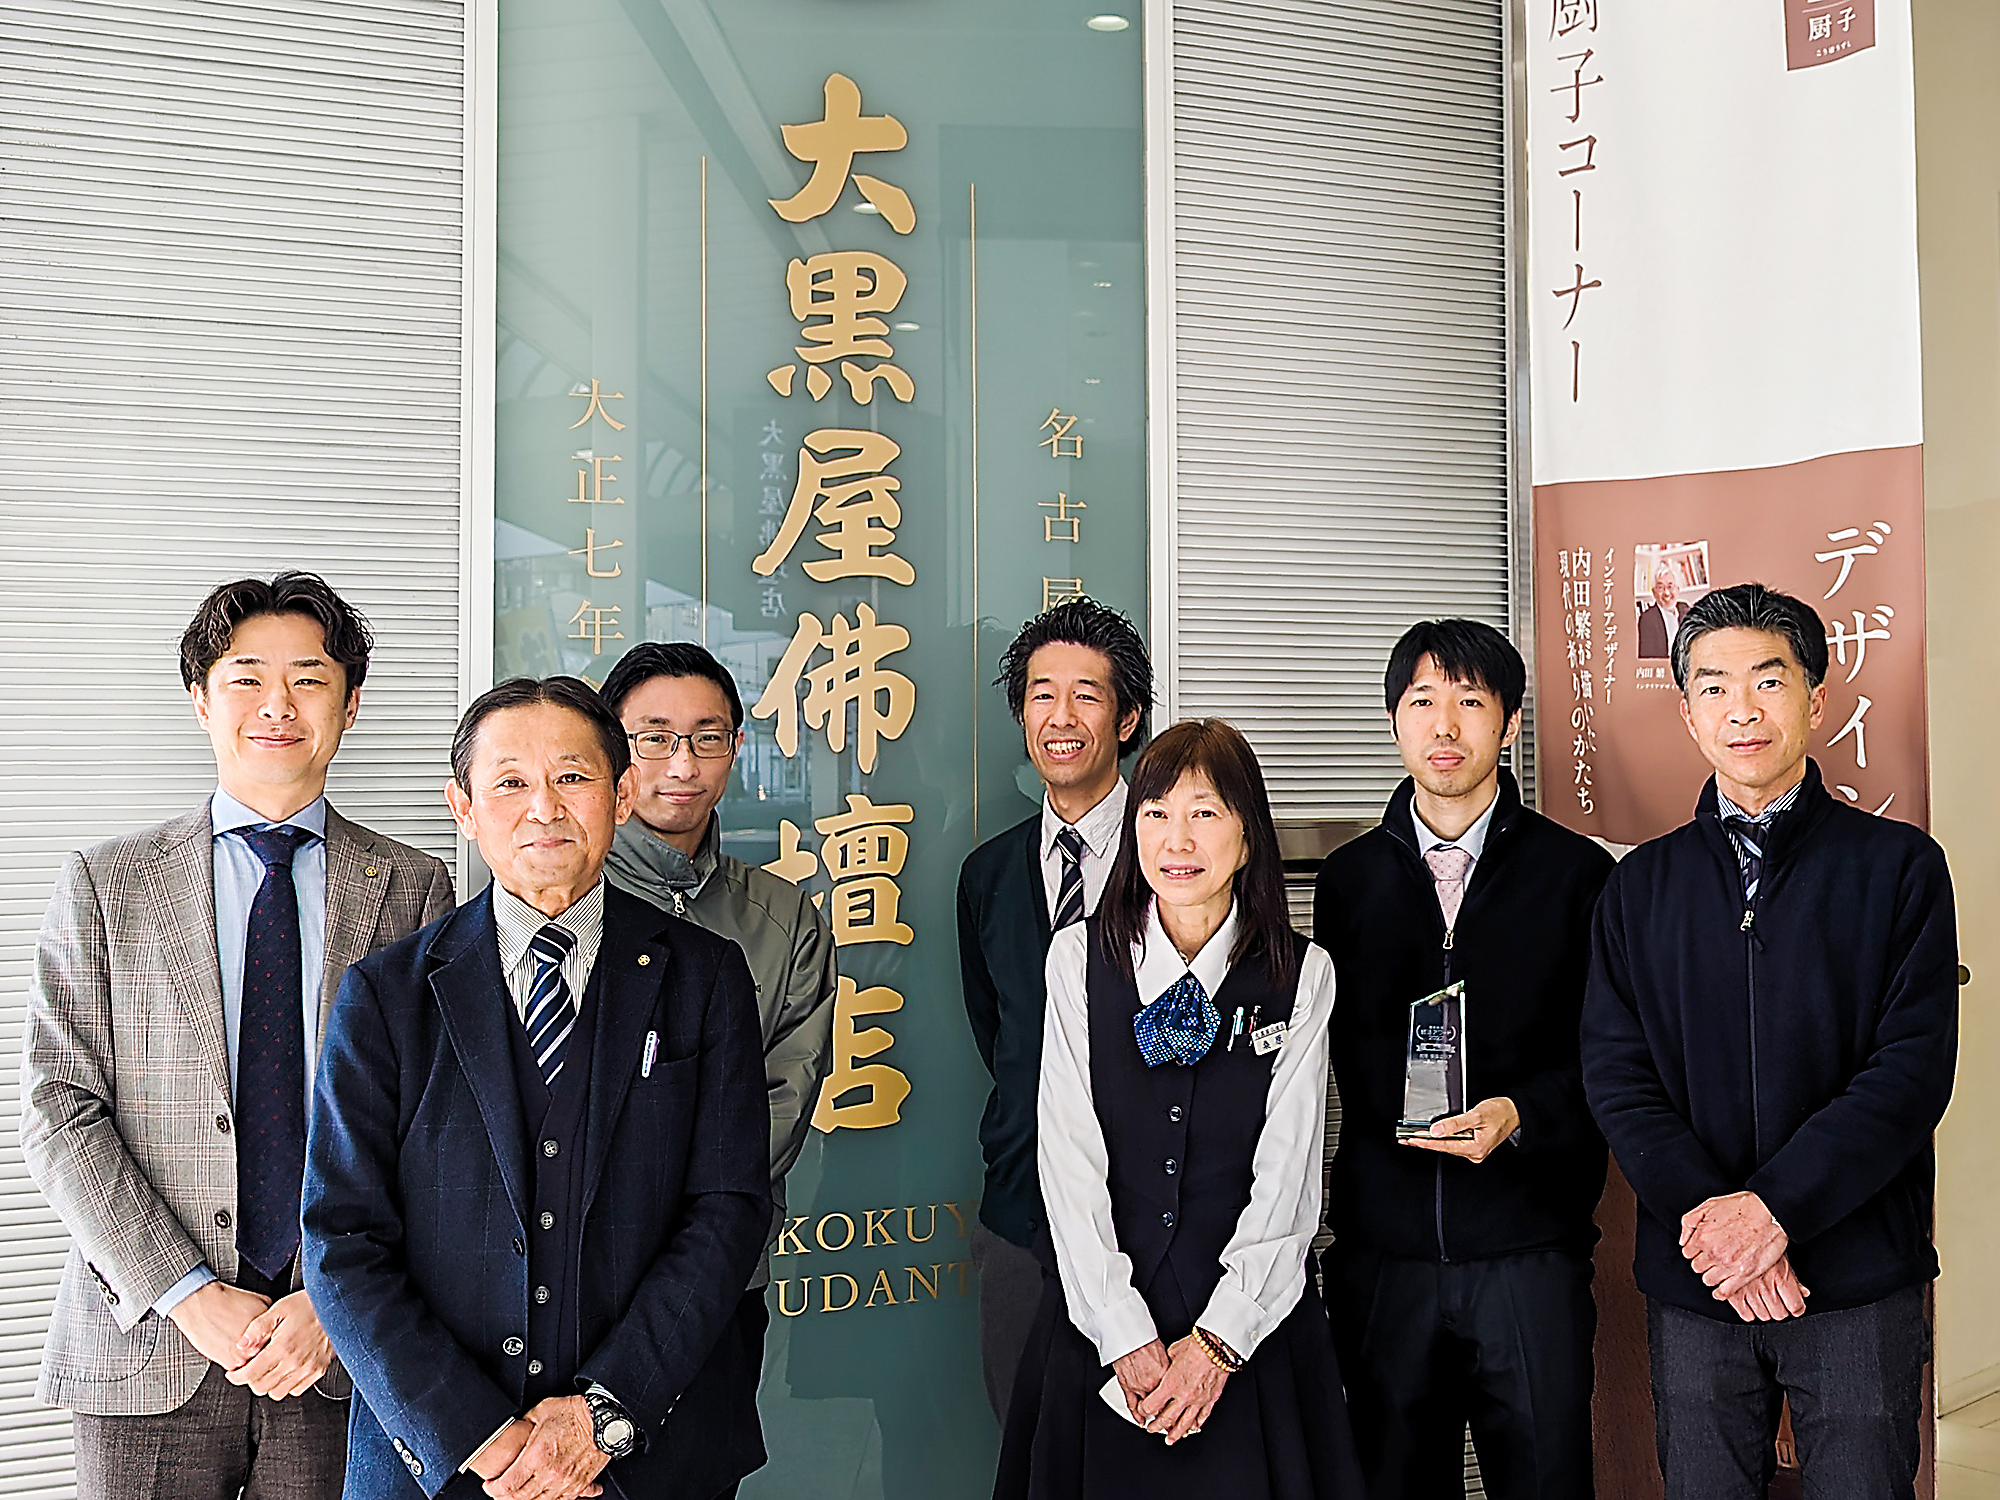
point(661, 744)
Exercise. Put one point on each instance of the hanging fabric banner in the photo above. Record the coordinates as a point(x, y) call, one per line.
point(1722, 292)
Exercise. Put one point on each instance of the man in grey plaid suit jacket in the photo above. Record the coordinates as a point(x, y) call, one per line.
point(181, 982)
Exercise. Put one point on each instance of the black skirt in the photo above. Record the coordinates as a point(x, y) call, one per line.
point(1278, 1432)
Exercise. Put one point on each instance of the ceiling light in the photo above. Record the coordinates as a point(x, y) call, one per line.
point(1107, 23)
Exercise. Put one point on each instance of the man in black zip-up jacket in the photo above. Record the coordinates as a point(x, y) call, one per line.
point(1768, 1043)
point(1459, 1279)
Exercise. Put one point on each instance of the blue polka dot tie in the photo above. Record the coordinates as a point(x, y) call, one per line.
point(1180, 1026)
point(271, 1061)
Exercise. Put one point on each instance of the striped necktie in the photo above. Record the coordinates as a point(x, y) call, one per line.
point(551, 1014)
point(1069, 897)
point(1749, 836)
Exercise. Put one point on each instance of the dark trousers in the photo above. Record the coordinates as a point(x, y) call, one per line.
point(221, 1443)
point(1502, 1345)
point(1854, 1377)
point(1010, 1290)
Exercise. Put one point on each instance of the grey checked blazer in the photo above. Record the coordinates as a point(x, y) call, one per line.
point(126, 1116)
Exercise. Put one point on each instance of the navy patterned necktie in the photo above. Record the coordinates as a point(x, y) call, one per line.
point(551, 1014)
point(1180, 1026)
point(1069, 895)
point(1750, 843)
point(271, 1061)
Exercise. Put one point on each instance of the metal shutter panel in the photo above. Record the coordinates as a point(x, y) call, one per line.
point(1339, 367)
point(230, 253)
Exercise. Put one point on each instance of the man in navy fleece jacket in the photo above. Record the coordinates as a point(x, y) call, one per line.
point(1769, 1034)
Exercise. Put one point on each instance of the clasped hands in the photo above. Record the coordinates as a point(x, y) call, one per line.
point(550, 1454)
point(276, 1348)
point(1170, 1391)
point(1739, 1249)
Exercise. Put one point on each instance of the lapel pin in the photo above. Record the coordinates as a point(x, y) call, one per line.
point(644, 959)
point(369, 872)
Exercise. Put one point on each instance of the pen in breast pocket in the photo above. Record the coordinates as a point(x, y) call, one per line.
point(652, 1050)
point(1235, 1030)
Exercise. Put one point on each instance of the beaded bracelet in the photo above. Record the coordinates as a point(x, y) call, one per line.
point(1219, 1354)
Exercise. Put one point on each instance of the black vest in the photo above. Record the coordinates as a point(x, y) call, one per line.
point(555, 1122)
point(1180, 1139)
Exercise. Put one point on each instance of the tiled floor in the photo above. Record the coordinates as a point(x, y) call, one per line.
point(1968, 1452)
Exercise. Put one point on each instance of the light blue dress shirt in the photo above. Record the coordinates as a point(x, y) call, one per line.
point(238, 874)
point(1472, 841)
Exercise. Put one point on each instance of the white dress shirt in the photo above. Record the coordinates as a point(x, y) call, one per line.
point(517, 923)
point(1100, 828)
point(1472, 841)
point(1264, 1263)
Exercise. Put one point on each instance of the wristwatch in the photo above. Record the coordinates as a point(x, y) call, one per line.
point(614, 1432)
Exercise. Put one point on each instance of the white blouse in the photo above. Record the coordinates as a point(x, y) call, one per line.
point(1263, 1265)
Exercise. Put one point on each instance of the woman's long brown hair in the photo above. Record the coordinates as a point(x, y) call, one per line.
point(1217, 751)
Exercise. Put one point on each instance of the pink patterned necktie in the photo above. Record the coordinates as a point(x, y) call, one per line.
point(1449, 866)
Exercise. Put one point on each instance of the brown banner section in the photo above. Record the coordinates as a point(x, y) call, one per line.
point(1618, 562)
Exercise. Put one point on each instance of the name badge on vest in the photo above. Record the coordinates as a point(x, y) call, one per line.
point(1268, 1039)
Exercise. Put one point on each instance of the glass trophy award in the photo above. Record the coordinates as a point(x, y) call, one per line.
point(1434, 1068)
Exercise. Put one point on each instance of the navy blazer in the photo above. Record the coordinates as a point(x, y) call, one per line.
point(417, 1189)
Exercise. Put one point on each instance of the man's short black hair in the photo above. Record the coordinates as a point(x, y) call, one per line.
point(1466, 651)
point(1755, 606)
point(206, 640)
point(1096, 627)
point(572, 693)
point(650, 659)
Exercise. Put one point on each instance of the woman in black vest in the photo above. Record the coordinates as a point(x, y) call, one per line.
point(1183, 1350)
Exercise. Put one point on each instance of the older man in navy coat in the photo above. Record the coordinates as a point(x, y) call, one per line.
point(536, 1179)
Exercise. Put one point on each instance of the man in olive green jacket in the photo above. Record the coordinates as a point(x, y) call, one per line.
point(681, 709)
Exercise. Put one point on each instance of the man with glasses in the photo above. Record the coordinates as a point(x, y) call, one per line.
point(684, 718)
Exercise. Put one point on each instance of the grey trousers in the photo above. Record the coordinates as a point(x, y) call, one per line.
point(1010, 1291)
point(1855, 1379)
point(222, 1443)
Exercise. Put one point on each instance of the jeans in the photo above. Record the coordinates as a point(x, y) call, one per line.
point(1854, 1377)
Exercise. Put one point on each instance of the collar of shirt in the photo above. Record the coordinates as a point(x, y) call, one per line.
point(1099, 826)
point(1472, 841)
point(1158, 966)
point(517, 923)
point(227, 815)
point(1725, 809)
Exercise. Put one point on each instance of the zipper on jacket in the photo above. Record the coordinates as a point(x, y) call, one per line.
point(1750, 986)
point(680, 903)
point(1437, 1193)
